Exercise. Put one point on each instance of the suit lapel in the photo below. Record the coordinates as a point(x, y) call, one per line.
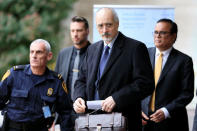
point(116, 51)
point(97, 56)
point(67, 63)
point(151, 52)
point(169, 63)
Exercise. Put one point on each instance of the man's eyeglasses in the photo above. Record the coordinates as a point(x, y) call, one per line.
point(161, 33)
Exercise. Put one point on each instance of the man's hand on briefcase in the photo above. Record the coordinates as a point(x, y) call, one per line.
point(108, 104)
point(79, 105)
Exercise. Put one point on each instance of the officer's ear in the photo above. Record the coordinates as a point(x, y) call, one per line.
point(50, 56)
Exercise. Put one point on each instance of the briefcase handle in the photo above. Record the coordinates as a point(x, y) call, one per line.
point(95, 112)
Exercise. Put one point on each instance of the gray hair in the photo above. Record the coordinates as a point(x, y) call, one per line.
point(46, 43)
point(116, 19)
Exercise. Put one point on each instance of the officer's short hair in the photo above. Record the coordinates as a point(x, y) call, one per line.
point(81, 19)
point(46, 43)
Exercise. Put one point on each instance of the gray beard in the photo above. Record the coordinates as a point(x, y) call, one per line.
point(107, 40)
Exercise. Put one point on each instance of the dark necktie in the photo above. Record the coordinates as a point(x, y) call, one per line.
point(103, 60)
point(75, 73)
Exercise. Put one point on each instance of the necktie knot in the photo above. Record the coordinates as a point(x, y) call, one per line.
point(78, 51)
point(106, 50)
point(161, 54)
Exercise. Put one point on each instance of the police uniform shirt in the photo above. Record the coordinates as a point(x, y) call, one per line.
point(27, 92)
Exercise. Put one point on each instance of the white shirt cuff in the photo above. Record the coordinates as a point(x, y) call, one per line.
point(166, 113)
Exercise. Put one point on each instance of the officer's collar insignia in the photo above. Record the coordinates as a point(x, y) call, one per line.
point(50, 92)
point(59, 76)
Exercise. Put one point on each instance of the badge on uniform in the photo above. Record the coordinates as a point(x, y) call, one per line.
point(46, 111)
point(50, 92)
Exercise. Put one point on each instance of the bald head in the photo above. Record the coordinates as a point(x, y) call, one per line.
point(109, 10)
point(107, 24)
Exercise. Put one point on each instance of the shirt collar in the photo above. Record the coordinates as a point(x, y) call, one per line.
point(46, 74)
point(166, 52)
point(82, 50)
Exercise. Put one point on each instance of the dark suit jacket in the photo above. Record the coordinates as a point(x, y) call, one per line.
point(175, 89)
point(63, 61)
point(128, 77)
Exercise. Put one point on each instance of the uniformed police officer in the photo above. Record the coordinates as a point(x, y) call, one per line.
point(31, 94)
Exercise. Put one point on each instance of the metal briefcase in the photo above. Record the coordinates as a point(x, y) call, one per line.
point(101, 122)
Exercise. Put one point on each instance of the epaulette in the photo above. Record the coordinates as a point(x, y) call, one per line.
point(59, 76)
point(5, 75)
point(19, 67)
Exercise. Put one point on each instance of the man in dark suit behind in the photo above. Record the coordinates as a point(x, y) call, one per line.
point(79, 30)
point(175, 86)
point(66, 62)
point(127, 77)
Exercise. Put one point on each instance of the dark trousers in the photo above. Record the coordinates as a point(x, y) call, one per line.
point(13, 129)
point(73, 118)
point(150, 126)
point(26, 126)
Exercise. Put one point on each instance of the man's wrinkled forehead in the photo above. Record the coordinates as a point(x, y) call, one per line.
point(104, 17)
point(37, 47)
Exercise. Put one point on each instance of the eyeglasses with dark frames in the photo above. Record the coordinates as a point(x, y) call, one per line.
point(161, 33)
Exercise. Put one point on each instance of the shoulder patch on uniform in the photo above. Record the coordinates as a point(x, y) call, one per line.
point(5, 75)
point(19, 67)
point(62, 80)
point(64, 87)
